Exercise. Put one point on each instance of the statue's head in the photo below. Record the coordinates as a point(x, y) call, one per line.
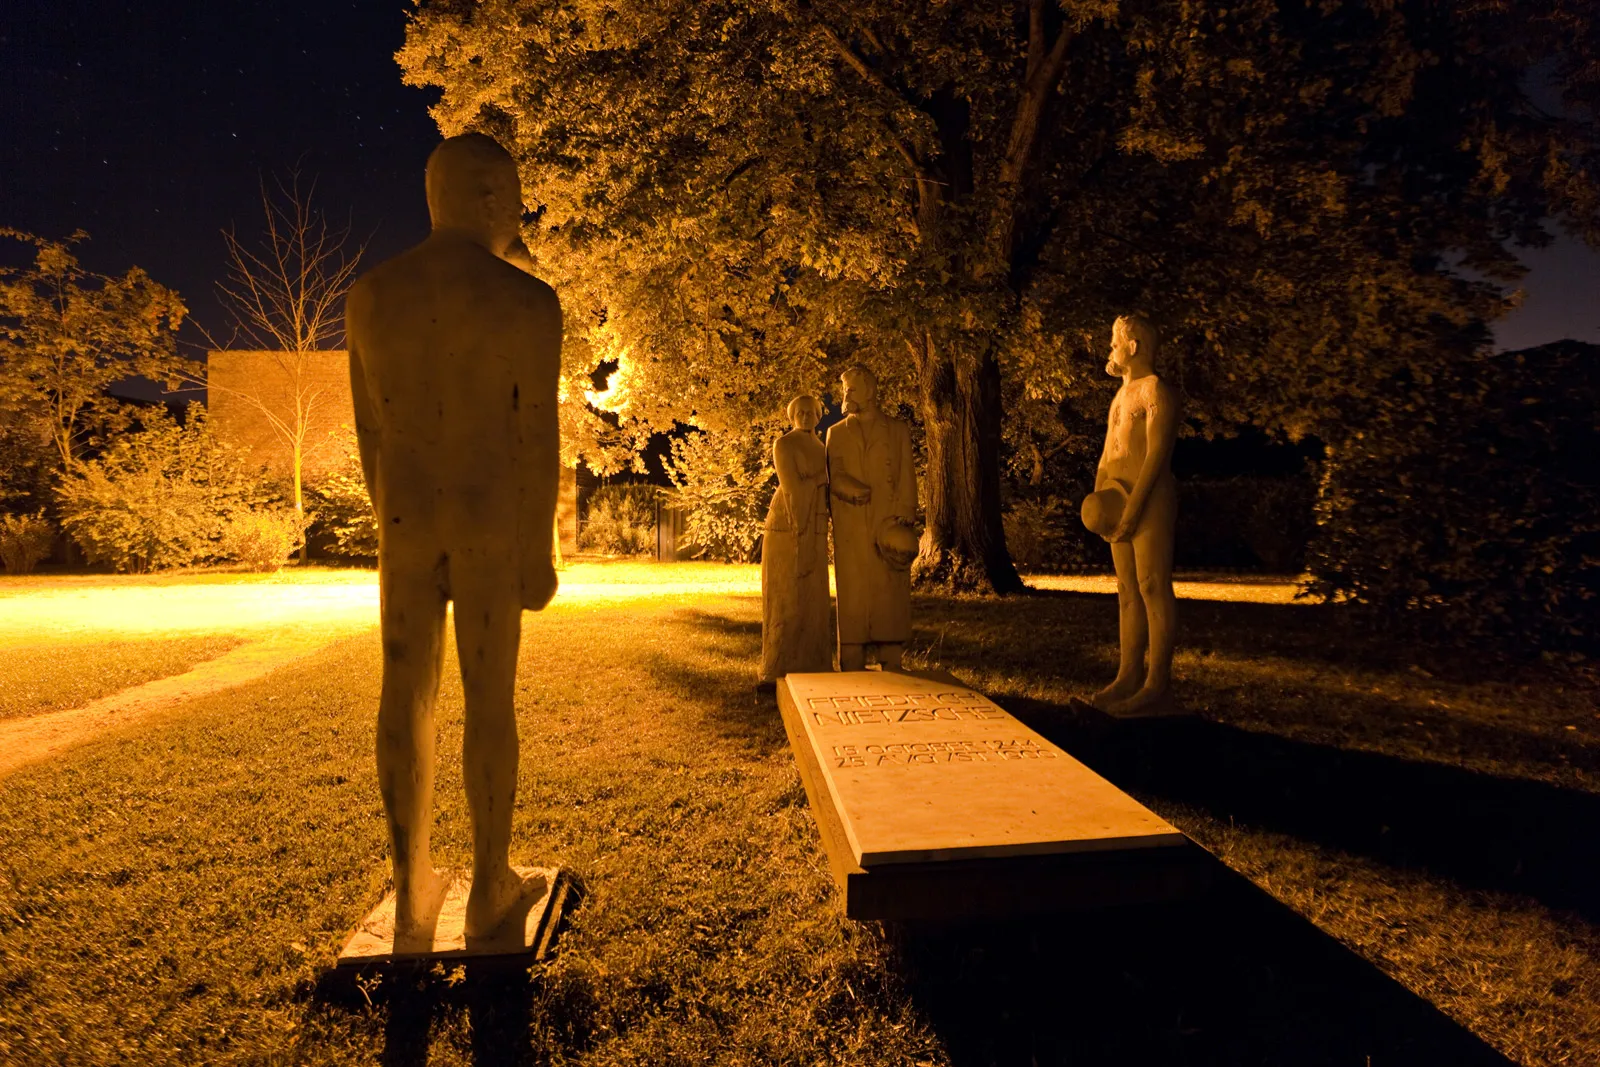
point(1135, 344)
point(805, 411)
point(860, 389)
point(473, 188)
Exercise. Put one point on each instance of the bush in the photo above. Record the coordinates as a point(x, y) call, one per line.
point(24, 541)
point(1467, 504)
point(724, 482)
point(343, 523)
point(1251, 522)
point(157, 497)
point(1255, 522)
point(1034, 532)
point(262, 539)
point(621, 520)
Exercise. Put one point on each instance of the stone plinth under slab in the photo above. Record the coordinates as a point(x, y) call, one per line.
point(933, 802)
point(527, 932)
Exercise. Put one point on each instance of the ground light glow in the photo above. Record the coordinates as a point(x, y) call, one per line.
point(38, 609)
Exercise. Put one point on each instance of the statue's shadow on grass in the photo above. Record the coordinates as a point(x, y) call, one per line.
point(494, 999)
point(720, 678)
point(1478, 830)
point(1232, 978)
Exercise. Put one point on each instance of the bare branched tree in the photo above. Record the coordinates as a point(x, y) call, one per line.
point(286, 295)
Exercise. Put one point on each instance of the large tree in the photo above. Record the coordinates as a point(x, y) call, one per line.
point(70, 334)
point(736, 197)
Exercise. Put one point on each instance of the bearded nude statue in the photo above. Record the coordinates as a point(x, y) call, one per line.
point(454, 358)
point(1134, 506)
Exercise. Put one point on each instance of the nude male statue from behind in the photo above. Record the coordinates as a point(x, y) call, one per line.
point(454, 360)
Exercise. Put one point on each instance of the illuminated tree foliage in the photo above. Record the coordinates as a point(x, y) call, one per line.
point(738, 197)
point(69, 334)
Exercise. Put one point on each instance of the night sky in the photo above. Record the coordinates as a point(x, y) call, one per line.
point(150, 125)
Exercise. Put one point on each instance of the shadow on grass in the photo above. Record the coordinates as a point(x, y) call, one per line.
point(1475, 829)
point(1408, 806)
point(1314, 634)
point(494, 1000)
point(721, 677)
point(1231, 979)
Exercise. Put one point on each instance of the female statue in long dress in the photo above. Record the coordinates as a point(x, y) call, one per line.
point(795, 633)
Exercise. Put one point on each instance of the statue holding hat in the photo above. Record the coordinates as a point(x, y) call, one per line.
point(1134, 507)
point(795, 631)
point(873, 485)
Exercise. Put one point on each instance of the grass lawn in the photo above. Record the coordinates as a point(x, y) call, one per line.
point(57, 676)
point(176, 894)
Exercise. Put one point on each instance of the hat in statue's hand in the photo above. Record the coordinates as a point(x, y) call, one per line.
point(1102, 510)
point(897, 542)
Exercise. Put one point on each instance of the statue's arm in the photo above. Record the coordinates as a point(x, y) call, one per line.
point(1161, 435)
point(906, 505)
point(366, 416)
point(1101, 475)
point(841, 483)
point(795, 501)
point(539, 422)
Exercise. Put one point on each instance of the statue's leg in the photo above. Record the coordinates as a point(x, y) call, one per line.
point(890, 654)
point(1152, 547)
point(412, 619)
point(852, 657)
point(488, 623)
point(1132, 627)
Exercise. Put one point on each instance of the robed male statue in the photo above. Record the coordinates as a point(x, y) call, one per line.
point(454, 359)
point(873, 484)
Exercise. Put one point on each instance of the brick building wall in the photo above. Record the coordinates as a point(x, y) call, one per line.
point(237, 379)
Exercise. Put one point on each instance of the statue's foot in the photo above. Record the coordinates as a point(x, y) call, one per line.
point(494, 898)
point(1119, 690)
point(1148, 701)
point(418, 902)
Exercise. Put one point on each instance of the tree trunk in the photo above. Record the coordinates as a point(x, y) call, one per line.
point(300, 502)
point(963, 545)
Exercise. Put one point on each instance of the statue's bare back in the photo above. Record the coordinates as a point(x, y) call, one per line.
point(460, 355)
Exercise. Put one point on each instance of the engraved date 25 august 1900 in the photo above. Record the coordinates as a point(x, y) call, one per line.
point(933, 753)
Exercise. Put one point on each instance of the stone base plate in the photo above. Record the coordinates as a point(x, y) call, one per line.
point(526, 932)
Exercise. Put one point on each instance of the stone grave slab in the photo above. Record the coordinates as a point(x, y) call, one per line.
point(527, 933)
point(934, 802)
